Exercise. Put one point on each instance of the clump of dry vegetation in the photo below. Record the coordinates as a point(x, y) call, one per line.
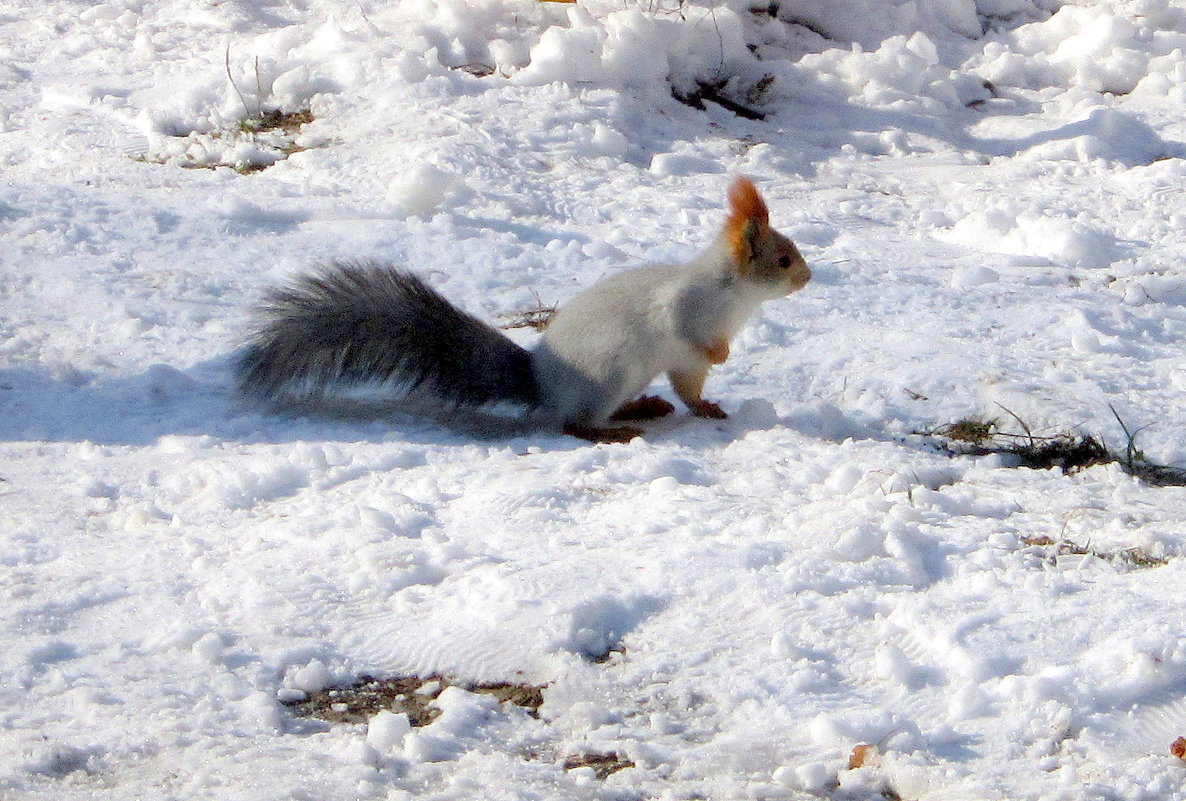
point(263, 136)
point(412, 695)
point(536, 318)
point(1126, 557)
point(255, 143)
point(289, 122)
point(1071, 453)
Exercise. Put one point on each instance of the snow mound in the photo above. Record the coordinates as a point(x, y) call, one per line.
point(1107, 47)
point(1018, 231)
point(1109, 135)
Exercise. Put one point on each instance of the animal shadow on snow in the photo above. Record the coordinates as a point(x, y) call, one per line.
point(38, 405)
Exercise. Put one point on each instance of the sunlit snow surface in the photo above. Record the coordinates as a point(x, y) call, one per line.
point(991, 196)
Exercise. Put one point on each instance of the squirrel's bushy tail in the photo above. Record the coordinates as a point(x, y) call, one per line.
point(360, 322)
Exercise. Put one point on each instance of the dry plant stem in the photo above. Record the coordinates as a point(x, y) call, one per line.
point(231, 78)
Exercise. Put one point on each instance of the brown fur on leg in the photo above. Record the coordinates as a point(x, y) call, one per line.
point(687, 384)
point(717, 352)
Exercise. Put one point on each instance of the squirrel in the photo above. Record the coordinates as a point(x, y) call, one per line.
point(361, 322)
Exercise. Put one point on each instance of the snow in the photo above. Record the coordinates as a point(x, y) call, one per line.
point(989, 193)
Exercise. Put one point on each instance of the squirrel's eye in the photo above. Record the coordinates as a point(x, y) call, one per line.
point(784, 262)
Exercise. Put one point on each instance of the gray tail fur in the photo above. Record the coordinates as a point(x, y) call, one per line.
point(359, 322)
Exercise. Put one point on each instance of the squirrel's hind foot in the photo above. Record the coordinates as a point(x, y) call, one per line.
point(648, 407)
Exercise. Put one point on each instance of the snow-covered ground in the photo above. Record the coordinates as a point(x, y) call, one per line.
point(991, 196)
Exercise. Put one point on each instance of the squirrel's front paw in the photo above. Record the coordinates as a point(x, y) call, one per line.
point(704, 408)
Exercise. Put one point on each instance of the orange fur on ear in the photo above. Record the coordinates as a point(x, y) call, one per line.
point(746, 209)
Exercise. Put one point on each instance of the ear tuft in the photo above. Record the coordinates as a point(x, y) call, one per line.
point(745, 202)
point(748, 218)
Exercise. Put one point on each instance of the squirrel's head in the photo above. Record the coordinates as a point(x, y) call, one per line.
point(761, 254)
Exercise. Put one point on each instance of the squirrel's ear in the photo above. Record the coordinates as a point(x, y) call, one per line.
point(748, 219)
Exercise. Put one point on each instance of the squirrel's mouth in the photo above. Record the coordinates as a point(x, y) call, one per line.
point(799, 276)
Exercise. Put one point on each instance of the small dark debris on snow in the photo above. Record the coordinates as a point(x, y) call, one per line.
point(614, 654)
point(972, 429)
point(714, 93)
point(412, 695)
point(476, 69)
point(604, 765)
